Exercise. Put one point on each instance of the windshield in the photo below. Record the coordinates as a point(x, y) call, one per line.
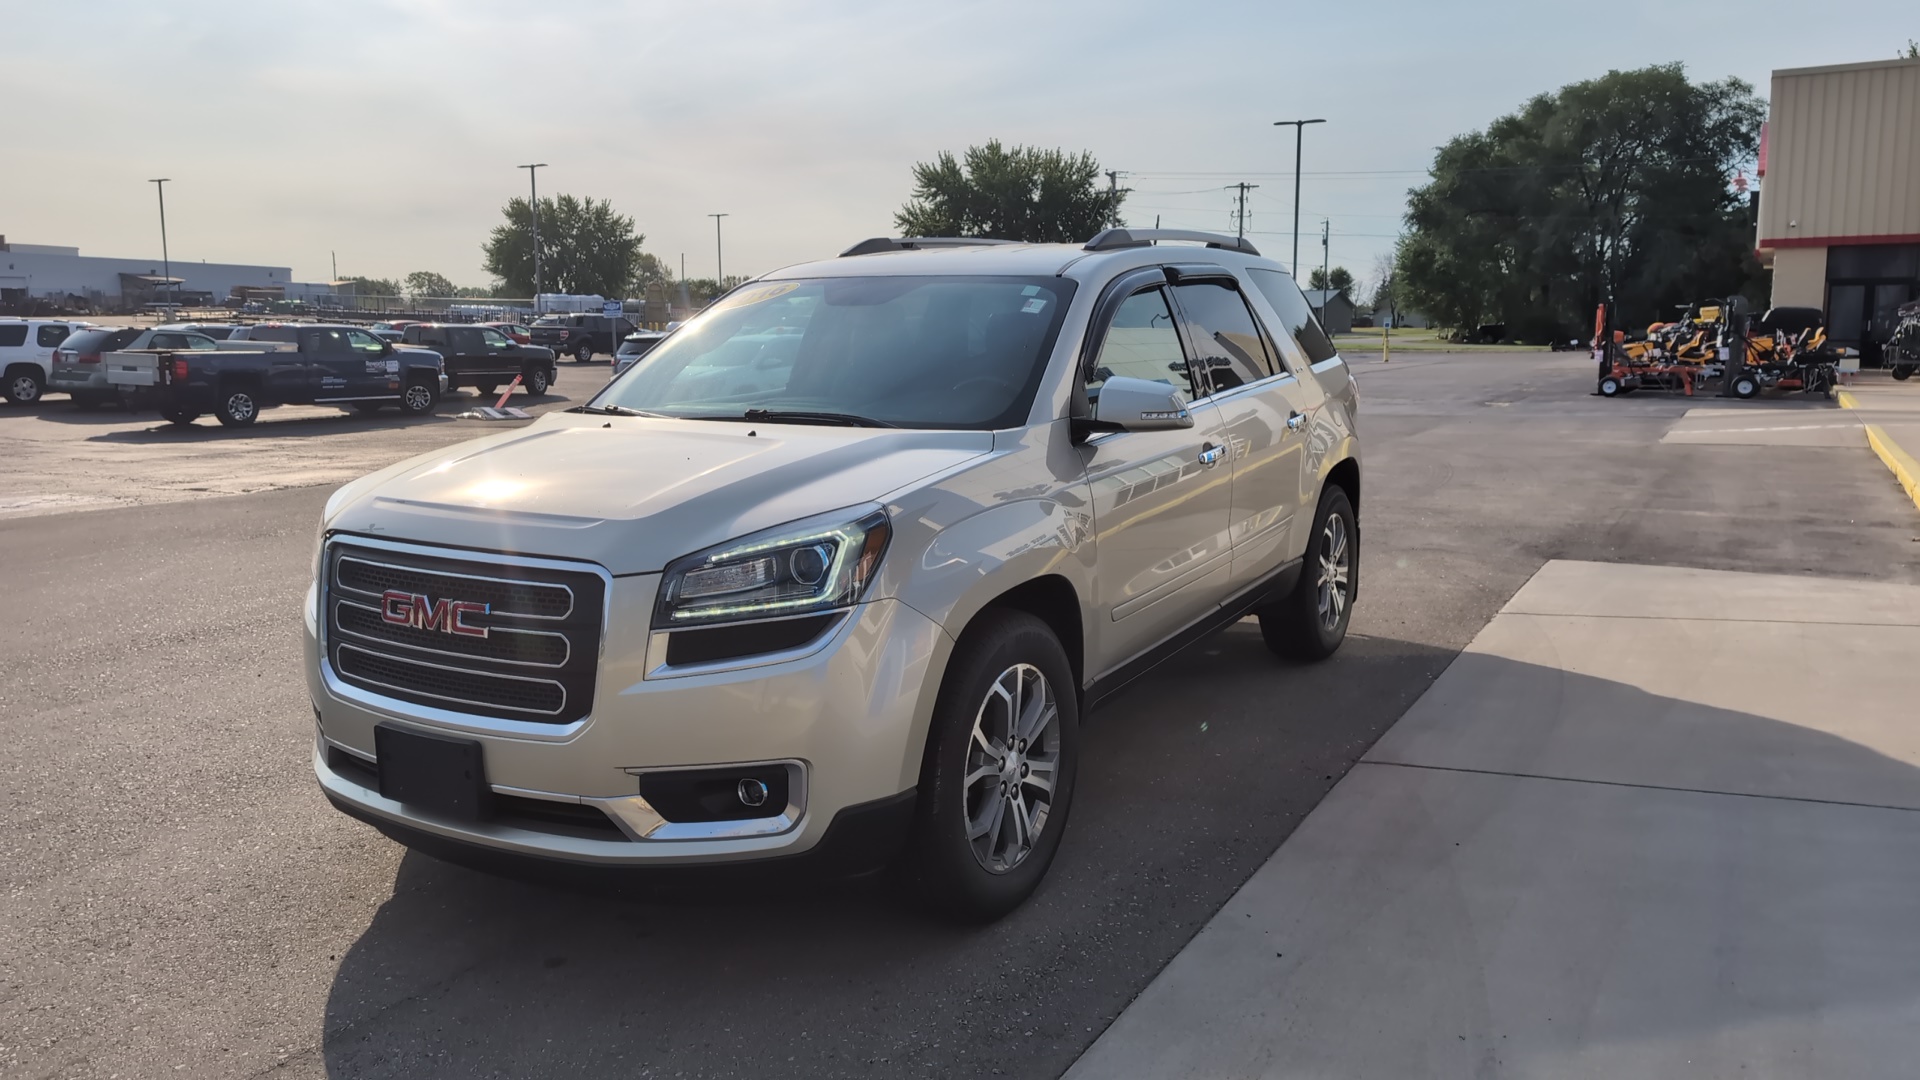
point(927, 352)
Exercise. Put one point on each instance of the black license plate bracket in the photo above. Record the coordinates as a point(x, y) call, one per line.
point(440, 774)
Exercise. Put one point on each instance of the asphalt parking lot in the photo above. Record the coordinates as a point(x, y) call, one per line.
point(181, 901)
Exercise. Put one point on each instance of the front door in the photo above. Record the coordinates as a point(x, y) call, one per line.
point(378, 372)
point(1161, 499)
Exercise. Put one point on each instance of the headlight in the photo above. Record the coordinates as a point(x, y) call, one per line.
point(808, 566)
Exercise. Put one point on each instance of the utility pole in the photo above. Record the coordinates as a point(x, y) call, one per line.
point(1299, 126)
point(533, 191)
point(1326, 273)
point(1241, 215)
point(719, 253)
point(335, 256)
point(166, 262)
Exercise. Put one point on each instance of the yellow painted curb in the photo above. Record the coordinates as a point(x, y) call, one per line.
point(1847, 401)
point(1905, 469)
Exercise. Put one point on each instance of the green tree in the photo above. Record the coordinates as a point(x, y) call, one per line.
point(368, 286)
point(1337, 279)
point(1614, 187)
point(1023, 193)
point(427, 283)
point(585, 248)
point(1913, 51)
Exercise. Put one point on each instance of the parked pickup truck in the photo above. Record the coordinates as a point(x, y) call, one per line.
point(483, 357)
point(326, 365)
point(580, 336)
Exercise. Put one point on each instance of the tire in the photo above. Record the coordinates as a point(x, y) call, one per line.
point(1003, 657)
point(23, 385)
point(535, 381)
point(368, 408)
point(239, 406)
point(1903, 373)
point(485, 389)
point(1312, 620)
point(583, 352)
point(418, 399)
point(180, 417)
point(1745, 386)
point(1610, 387)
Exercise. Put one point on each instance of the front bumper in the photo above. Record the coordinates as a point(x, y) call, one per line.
point(848, 716)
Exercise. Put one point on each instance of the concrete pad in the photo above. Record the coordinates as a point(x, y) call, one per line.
point(1762, 426)
point(1616, 590)
point(1609, 841)
point(1790, 710)
point(1432, 923)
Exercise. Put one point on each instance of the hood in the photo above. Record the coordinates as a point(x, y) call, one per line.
point(632, 493)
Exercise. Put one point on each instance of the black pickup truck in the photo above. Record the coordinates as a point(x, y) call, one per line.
point(324, 365)
point(580, 336)
point(482, 357)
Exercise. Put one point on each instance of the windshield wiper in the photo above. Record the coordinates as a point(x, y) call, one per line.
point(795, 416)
point(620, 410)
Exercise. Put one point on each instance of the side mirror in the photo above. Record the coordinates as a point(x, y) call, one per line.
point(1140, 405)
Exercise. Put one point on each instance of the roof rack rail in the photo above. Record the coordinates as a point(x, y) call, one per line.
point(1114, 239)
point(911, 243)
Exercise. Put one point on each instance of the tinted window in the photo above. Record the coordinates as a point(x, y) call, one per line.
point(933, 352)
point(1292, 308)
point(331, 342)
point(11, 336)
point(199, 341)
point(361, 341)
point(274, 333)
point(1232, 352)
point(217, 333)
point(49, 336)
point(167, 341)
point(1142, 343)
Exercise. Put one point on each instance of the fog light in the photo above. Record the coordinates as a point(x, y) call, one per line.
point(752, 792)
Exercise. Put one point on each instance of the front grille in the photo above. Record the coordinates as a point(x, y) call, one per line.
point(525, 646)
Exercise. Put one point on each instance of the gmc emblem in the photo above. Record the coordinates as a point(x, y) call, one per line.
point(447, 616)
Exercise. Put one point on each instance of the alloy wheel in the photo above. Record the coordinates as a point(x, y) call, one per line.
point(24, 389)
point(1013, 762)
point(240, 407)
point(418, 398)
point(1335, 573)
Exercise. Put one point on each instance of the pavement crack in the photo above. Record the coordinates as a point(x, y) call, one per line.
point(1646, 787)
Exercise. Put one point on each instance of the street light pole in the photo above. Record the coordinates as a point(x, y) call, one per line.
point(533, 191)
point(719, 253)
point(1299, 126)
point(166, 262)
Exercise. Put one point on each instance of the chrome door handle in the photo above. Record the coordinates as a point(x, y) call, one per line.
point(1295, 422)
point(1209, 454)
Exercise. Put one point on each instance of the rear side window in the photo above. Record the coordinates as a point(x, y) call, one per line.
point(1232, 351)
point(274, 333)
point(49, 336)
point(1292, 308)
point(13, 336)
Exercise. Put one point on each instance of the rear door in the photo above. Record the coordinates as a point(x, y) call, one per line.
point(339, 373)
point(1264, 412)
point(1162, 500)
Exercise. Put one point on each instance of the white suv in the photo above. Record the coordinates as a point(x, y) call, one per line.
point(26, 355)
point(833, 574)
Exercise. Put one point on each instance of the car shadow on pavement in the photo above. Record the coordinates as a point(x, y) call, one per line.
point(1186, 788)
point(1188, 783)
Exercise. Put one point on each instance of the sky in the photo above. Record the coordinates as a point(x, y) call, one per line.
point(386, 133)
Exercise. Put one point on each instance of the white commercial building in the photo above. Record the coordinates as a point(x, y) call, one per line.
point(49, 272)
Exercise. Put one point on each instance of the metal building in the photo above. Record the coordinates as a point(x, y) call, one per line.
point(1840, 195)
point(50, 272)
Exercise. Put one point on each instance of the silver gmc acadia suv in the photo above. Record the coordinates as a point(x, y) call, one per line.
point(834, 575)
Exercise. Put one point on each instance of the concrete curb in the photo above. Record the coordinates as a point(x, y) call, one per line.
point(1905, 468)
